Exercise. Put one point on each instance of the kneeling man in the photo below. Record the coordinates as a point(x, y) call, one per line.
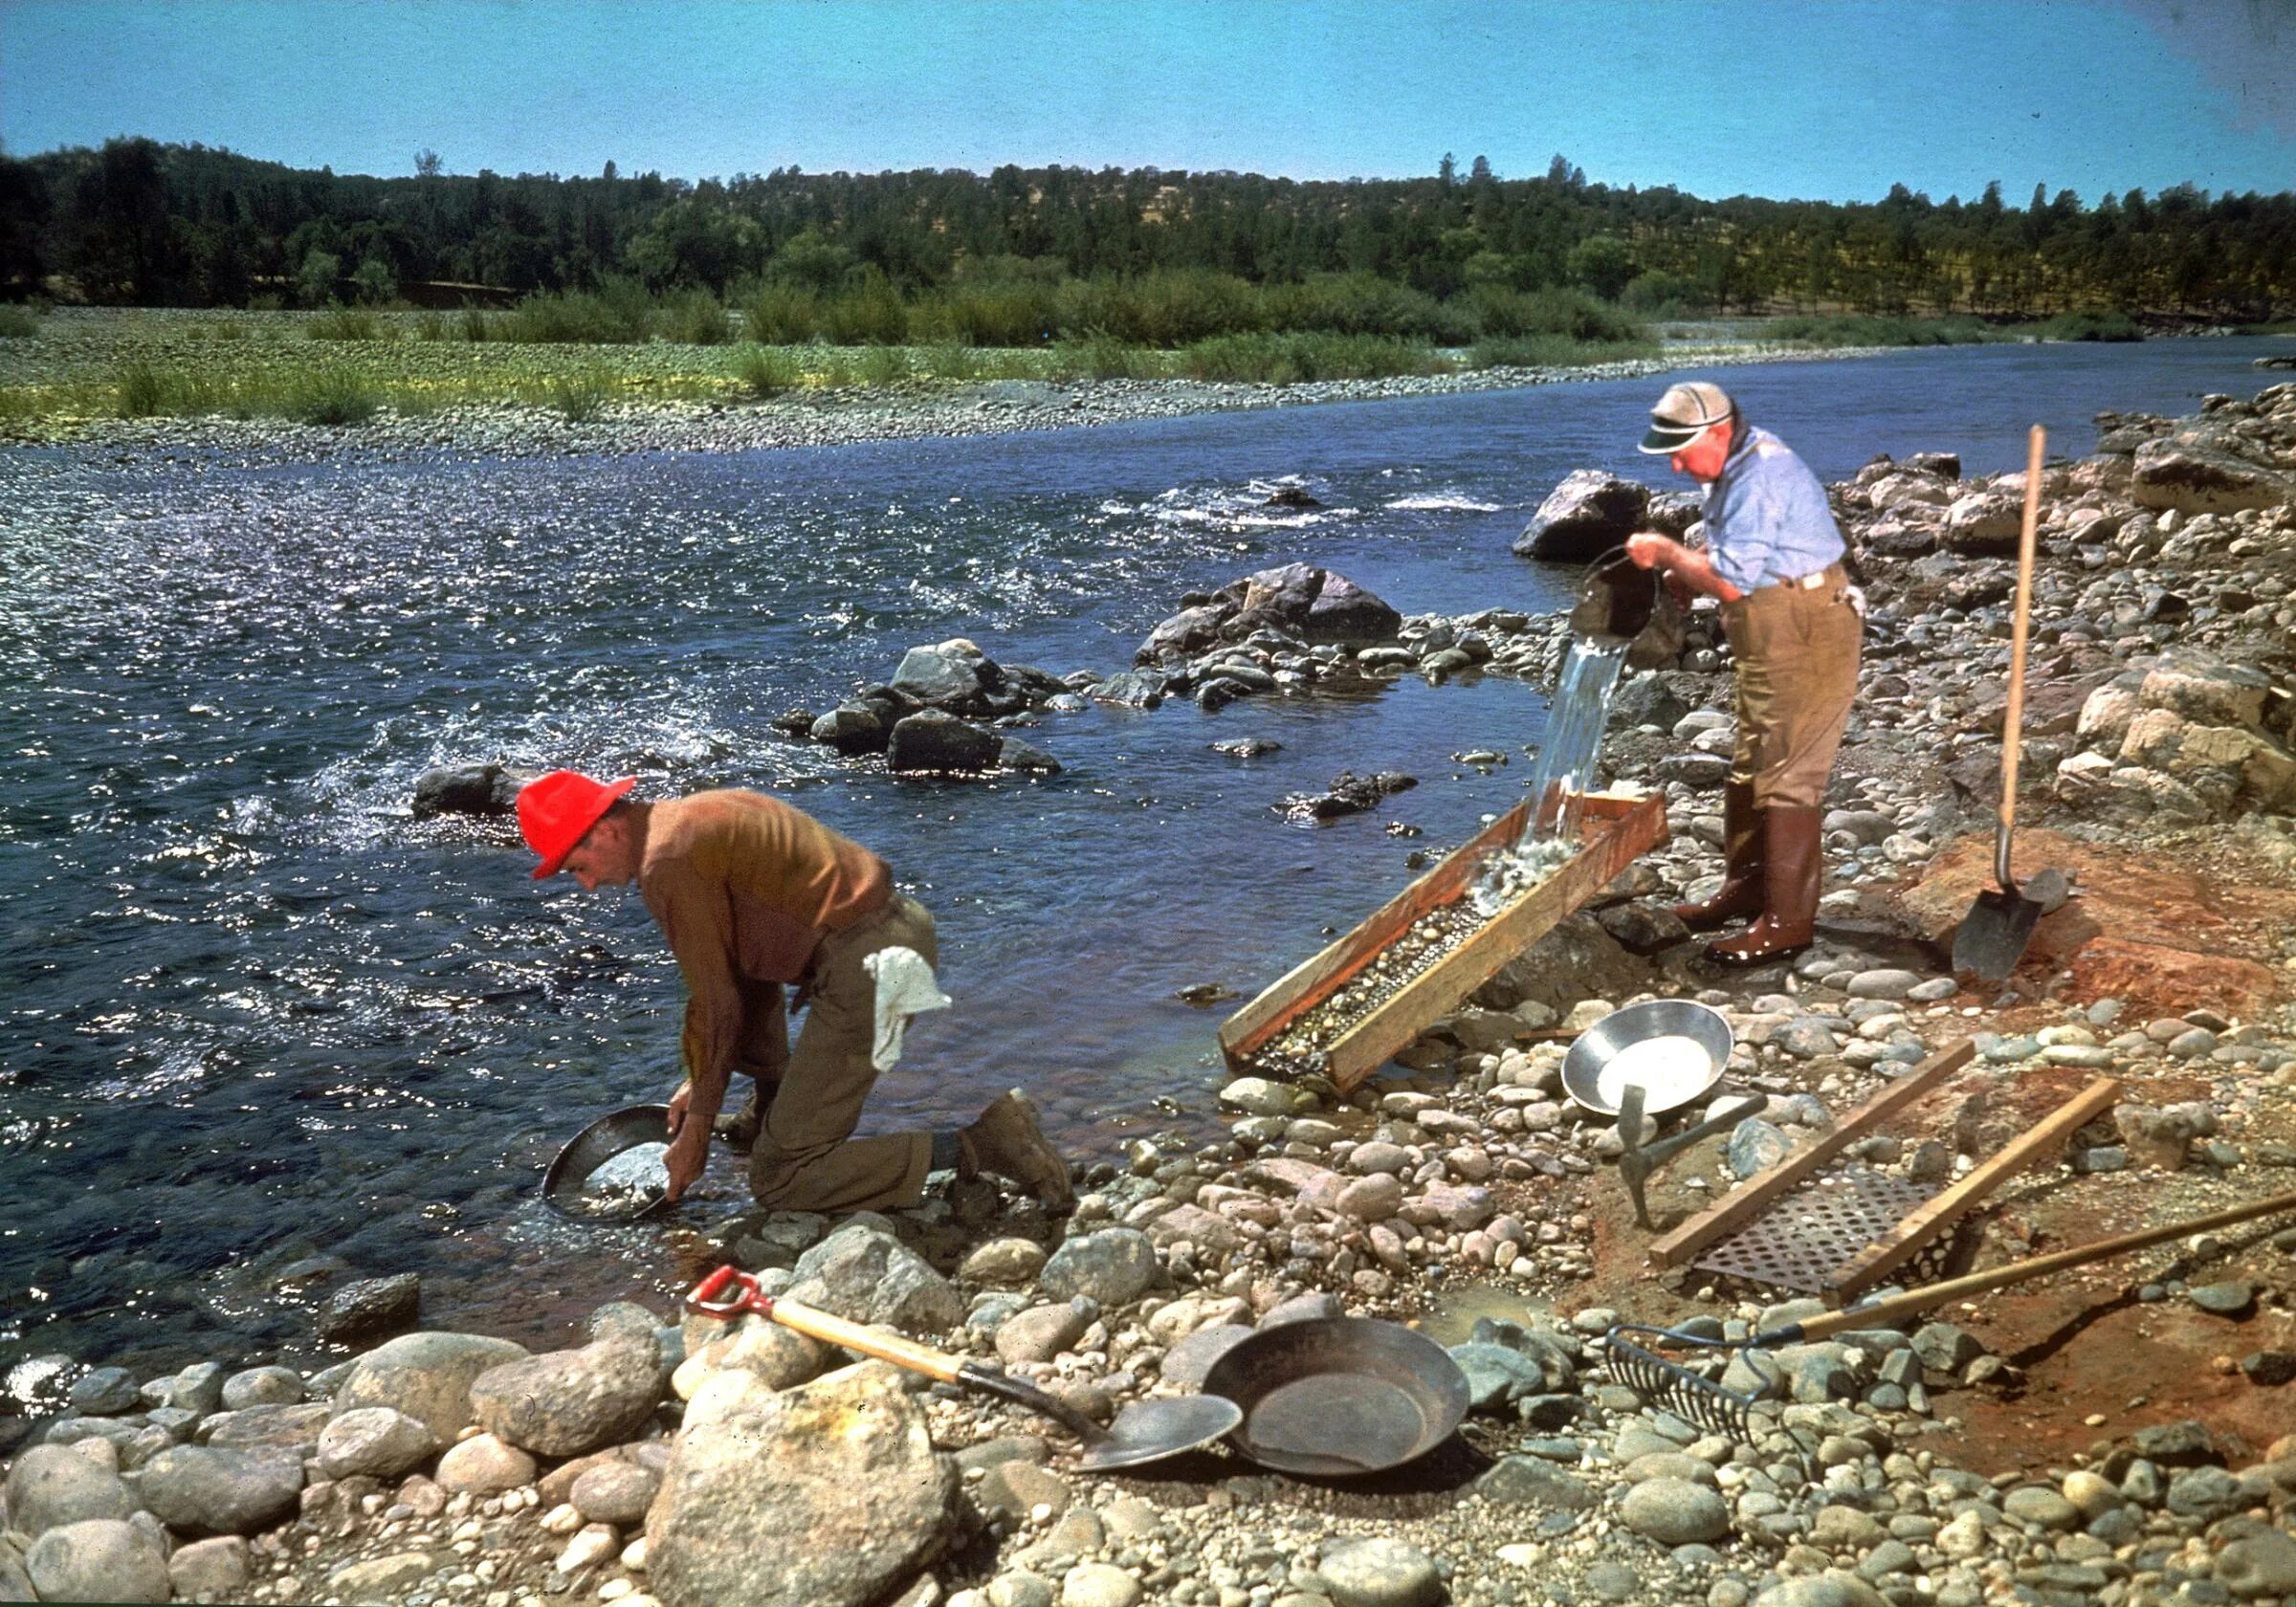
point(754, 894)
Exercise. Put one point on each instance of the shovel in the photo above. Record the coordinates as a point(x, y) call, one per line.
point(1993, 936)
point(1144, 1431)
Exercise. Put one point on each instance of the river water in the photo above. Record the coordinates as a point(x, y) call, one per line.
point(252, 1013)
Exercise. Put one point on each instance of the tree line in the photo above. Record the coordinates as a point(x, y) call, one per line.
point(141, 223)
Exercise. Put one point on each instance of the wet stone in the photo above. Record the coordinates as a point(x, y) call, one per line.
point(2234, 1298)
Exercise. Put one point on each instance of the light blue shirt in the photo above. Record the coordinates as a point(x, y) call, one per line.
point(1767, 519)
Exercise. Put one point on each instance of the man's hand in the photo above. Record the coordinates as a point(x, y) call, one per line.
point(689, 1153)
point(679, 1103)
point(1648, 549)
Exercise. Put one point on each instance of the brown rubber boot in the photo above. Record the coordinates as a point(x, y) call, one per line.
point(1741, 891)
point(1006, 1139)
point(1791, 871)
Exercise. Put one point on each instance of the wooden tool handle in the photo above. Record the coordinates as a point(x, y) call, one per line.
point(2013, 718)
point(1880, 1313)
point(834, 1330)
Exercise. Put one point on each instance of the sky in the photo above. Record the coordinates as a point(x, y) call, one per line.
point(1821, 100)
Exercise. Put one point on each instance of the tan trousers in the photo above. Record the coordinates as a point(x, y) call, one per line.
point(806, 1158)
point(1797, 664)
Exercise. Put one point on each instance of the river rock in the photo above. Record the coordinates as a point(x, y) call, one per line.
point(1984, 524)
point(1114, 1266)
point(853, 729)
point(934, 741)
point(1014, 754)
point(1756, 1146)
point(2234, 1298)
point(781, 1357)
point(468, 789)
point(1829, 1589)
point(369, 1308)
point(2199, 474)
point(263, 1386)
point(200, 1489)
point(1379, 1572)
point(847, 1461)
point(2260, 1566)
point(378, 1441)
point(1944, 1348)
point(615, 1492)
point(565, 1402)
point(1584, 516)
point(1009, 1263)
point(51, 1486)
point(426, 1376)
point(1529, 1481)
point(1262, 1096)
point(483, 1466)
point(2206, 1493)
point(1042, 1332)
point(2035, 1504)
point(210, 1570)
point(380, 1579)
point(98, 1559)
point(1675, 1511)
point(103, 1392)
point(1130, 690)
point(953, 676)
point(1186, 1363)
point(864, 1273)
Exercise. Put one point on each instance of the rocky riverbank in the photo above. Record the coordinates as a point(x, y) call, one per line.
point(829, 417)
point(2065, 1441)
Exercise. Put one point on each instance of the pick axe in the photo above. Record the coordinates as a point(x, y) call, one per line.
point(1637, 1160)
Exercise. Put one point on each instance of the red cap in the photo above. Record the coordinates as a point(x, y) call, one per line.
point(556, 812)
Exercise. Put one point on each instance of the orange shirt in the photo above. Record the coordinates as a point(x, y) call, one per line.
point(745, 887)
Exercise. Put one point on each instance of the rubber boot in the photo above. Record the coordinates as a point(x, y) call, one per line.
point(1792, 866)
point(1006, 1139)
point(1741, 891)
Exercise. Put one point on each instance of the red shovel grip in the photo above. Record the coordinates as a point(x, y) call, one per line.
point(706, 1296)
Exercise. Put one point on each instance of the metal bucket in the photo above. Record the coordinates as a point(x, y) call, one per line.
point(566, 1184)
point(1619, 601)
point(1674, 1047)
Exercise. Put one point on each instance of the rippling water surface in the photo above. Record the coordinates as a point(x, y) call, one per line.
point(252, 1013)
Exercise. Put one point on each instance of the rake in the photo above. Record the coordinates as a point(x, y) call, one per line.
point(1708, 1405)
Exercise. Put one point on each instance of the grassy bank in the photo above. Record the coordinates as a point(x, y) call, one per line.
point(345, 365)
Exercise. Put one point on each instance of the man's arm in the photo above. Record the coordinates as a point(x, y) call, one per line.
point(1695, 569)
point(698, 919)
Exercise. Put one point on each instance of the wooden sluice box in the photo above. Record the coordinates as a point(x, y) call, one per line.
point(1614, 831)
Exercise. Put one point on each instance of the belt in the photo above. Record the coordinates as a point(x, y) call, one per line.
point(1811, 582)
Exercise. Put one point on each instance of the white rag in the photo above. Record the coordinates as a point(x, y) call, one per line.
point(905, 987)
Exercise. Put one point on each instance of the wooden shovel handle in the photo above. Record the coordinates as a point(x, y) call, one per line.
point(833, 1330)
point(2013, 718)
point(1880, 1313)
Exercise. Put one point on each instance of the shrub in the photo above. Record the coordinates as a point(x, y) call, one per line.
point(1506, 313)
point(344, 323)
point(618, 313)
point(765, 371)
point(329, 396)
point(475, 325)
point(695, 317)
point(1553, 351)
point(951, 359)
point(1857, 329)
point(577, 397)
point(2091, 326)
point(884, 365)
point(17, 323)
point(871, 314)
point(1100, 356)
point(782, 315)
point(1366, 304)
point(1165, 309)
point(994, 313)
point(1659, 294)
point(1299, 358)
point(430, 326)
point(144, 391)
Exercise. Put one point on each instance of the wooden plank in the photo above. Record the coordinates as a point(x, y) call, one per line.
point(1611, 847)
point(1316, 978)
point(1322, 974)
point(1885, 1255)
point(1749, 1199)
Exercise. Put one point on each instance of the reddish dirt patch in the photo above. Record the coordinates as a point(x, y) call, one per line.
point(2158, 936)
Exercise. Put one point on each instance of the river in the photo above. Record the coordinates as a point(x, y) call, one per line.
point(252, 1013)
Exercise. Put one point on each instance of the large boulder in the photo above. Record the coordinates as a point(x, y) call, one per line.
point(52, 1486)
point(931, 740)
point(1984, 524)
point(863, 1273)
point(2198, 472)
point(1114, 1266)
point(1586, 516)
point(1298, 601)
point(853, 729)
point(381, 1441)
point(468, 789)
point(200, 1489)
point(426, 1376)
point(846, 1462)
point(954, 675)
point(564, 1404)
point(370, 1308)
point(99, 1560)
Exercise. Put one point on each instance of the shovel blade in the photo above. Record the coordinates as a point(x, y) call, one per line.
point(1152, 1430)
point(1993, 936)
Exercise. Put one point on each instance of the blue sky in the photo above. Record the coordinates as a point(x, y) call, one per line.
point(1821, 98)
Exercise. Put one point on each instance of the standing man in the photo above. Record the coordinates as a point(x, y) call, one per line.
point(1774, 557)
point(753, 896)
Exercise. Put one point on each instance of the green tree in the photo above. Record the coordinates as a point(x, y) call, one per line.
point(1603, 263)
point(315, 280)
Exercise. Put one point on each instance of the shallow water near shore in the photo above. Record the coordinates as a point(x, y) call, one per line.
point(250, 1013)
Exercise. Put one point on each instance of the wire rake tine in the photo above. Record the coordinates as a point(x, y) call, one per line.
point(1695, 1398)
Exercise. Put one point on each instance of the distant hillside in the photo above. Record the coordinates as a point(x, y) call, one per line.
point(143, 223)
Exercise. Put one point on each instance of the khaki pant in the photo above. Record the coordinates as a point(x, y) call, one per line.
point(1797, 663)
point(806, 1158)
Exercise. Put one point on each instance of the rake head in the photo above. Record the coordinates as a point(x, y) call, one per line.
point(1690, 1395)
